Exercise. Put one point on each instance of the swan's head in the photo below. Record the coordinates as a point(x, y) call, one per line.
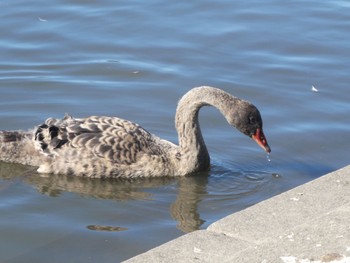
point(247, 119)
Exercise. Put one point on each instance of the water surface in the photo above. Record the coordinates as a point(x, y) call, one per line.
point(135, 60)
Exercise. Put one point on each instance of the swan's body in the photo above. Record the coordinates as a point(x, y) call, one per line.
point(113, 147)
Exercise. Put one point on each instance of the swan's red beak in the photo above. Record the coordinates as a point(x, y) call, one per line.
point(260, 139)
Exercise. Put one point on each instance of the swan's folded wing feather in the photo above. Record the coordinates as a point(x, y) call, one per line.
point(113, 139)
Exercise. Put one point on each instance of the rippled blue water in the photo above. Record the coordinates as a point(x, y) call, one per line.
point(134, 60)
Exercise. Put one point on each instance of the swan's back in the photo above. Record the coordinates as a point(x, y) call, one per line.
point(96, 146)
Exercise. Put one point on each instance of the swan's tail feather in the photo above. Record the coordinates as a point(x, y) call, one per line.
point(18, 147)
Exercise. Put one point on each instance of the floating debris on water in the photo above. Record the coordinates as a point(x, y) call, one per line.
point(276, 175)
point(42, 20)
point(106, 228)
point(314, 89)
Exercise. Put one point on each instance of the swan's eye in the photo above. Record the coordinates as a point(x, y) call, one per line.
point(252, 120)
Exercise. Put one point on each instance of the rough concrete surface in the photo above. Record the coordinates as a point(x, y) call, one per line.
point(310, 223)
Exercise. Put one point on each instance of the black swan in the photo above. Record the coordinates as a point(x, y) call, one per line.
point(113, 147)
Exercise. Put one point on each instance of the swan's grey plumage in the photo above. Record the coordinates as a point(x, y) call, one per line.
point(113, 147)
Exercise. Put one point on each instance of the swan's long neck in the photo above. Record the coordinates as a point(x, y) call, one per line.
point(194, 153)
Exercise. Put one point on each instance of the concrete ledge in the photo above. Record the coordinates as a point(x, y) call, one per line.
point(310, 223)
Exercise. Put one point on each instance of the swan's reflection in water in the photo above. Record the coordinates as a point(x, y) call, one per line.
point(184, 208)
point(224, 191)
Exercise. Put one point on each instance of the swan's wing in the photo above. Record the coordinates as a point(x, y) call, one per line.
point(113, 139)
